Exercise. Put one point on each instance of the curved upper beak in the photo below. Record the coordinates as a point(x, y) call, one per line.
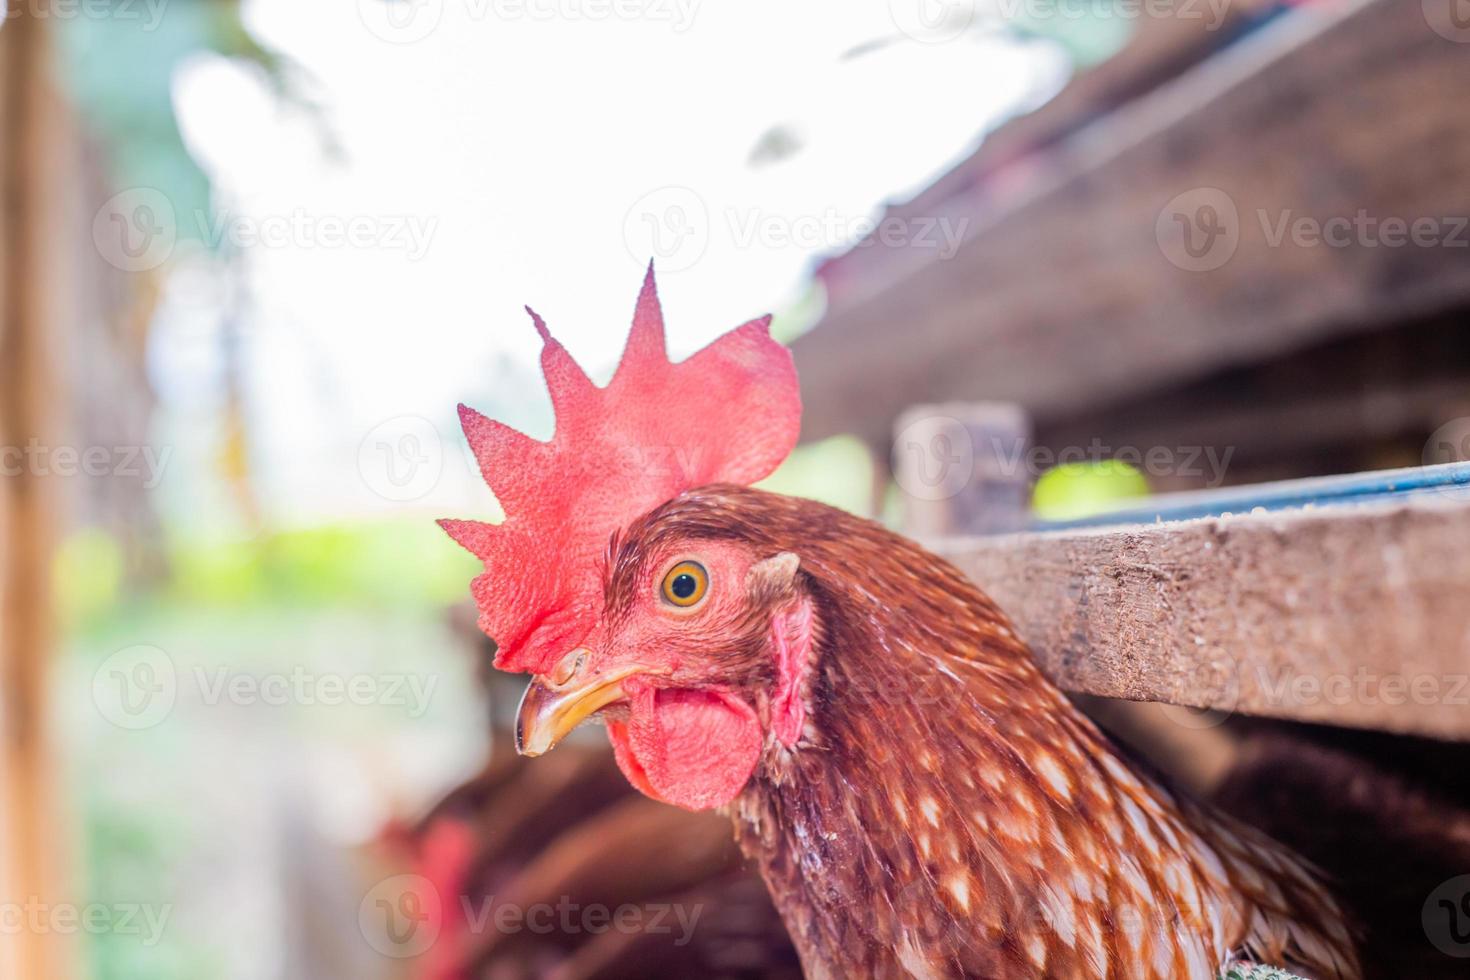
point(550, 710)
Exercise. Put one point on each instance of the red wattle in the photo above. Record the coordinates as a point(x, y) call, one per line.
point(693, 748)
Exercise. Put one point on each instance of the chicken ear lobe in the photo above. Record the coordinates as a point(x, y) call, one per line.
point(773, 580)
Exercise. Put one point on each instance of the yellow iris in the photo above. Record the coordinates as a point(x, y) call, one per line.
point(685, 584)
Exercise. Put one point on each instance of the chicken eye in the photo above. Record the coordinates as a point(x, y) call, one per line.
point(685, 584)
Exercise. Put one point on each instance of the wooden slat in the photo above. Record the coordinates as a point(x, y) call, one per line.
point(1067, 301)
point(27, 393)
point(1160, 49)
point(1353, 616)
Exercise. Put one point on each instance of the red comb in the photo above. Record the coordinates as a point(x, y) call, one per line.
point(728, 414)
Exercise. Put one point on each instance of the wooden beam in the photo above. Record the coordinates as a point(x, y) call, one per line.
point(1361, 403)
point(27, 868)
point(1160, 49)
point(1067, 298)
point(1352, 616)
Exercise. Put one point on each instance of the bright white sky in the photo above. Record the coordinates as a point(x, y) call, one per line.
point(523, 140)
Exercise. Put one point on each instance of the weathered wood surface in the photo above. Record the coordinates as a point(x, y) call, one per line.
point(1066, 300)
point(1356, 616)
point(1368, 402)
point(1160, 49)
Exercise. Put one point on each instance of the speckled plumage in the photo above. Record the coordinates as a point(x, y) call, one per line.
point(947, 811)
point(920, 799)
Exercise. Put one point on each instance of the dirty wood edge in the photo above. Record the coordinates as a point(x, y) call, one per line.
point(1354, 616)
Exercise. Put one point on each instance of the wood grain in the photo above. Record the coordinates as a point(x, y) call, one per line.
point(1350, 616)
point(1062, 298)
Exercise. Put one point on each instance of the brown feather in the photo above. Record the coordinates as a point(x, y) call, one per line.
point(948, 812)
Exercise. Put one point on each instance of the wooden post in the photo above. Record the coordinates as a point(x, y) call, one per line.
point(962, 468)
point(26, 391)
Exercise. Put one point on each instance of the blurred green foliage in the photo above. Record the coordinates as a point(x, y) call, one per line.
point(836, 471)
point(405, 564)
point(135, 122)
point(1075, 490)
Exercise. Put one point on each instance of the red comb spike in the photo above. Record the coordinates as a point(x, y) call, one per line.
point(729, 414)
point(540, 325)
point(503, 454)
point(645, 350)
point(472, 536)
point(572, 393)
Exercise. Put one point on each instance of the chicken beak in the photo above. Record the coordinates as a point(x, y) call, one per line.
point(553, 706)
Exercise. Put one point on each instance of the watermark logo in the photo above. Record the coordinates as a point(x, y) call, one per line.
point(932, 21)
point(573, 918)
point(402, 459)
point(1217, 683)
point(136, 229)
point(938, 456)
point(671, 224)
point(408, 233)
point(299, 686)
point(1199, 230)
point(1450, 443)
point(934, 458)
point(400, 21)
point(1446, 917)
point(1450, 19)
point(1284, 689)
point(1212, 12)
point(401, 916)
point(136, 687)
point(139, 229)
point(410, 21)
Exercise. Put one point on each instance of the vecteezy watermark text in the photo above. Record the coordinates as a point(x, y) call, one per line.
point(937, 21)
point(675, 225)
point(1212, 12)
point(147, 14)
point(401, 917)
point(566, 916)
point(308, 689)
point(137, 688)
point(36, 917)
point(1201, 229)
point(137, 230)
point(36, 458)
point(938, 457)
point(832, 229)
point(410, 21)
point(1363, 686)
point(1363, 230)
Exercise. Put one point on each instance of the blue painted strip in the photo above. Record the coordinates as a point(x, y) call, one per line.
point(1328, 491)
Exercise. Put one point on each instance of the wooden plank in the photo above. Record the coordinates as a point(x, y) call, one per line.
point(27, 868)
point(1068, 299)
point(1359, 403)
point(1353, 616)
point(1160, 49)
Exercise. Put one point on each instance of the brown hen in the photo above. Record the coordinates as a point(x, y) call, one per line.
point(920, 799)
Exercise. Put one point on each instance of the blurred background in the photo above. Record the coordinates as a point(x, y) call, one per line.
point(254, 253)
